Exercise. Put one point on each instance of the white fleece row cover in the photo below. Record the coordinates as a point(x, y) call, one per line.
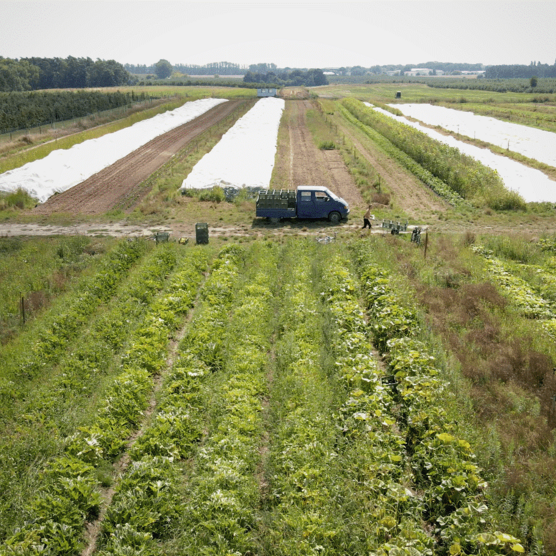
point(64, 168)
point(533, 185)
point(244, 157)
point(528, 141)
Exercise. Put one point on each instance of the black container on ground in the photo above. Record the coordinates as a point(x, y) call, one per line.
point(201, 233)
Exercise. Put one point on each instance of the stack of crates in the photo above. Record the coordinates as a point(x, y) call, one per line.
point(201, 233)
point(277, 199)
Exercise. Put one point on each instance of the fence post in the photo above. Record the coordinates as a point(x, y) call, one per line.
point(22, 308)
point(426, 242)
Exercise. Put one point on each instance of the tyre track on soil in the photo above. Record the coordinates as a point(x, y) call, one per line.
point(107, 188)
point(312, 166)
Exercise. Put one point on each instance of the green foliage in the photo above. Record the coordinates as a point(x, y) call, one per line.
point(25, 110)
point(295, 78)
point(19, 199)
point(118, 415)
point(442, 464)
point(58, 73)
point(214, 194)
point(145, 501)
point(37, 270)
point(522, 295)
point(163, 69)
point(327, 145)
point(17, 76)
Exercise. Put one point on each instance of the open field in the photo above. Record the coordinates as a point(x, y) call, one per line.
point(292, 397)
point(417, 92)
point(270, 394)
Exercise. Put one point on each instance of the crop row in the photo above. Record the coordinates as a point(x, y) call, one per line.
point(302, 458)
point(443, 466)
point(522, 295)
point(372, 448)
point(437, 185)
point(63, 400)
point(69, 496)
point(223, 494)
point(148, 503)
point(463, 174)
point(56, 333)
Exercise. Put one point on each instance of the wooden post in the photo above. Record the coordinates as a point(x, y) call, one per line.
point(426, 242)
point(23, 309)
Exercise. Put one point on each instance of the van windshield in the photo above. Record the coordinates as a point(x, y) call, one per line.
point(335, 197)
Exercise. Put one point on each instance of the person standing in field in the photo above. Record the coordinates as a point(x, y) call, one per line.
point(367, 219)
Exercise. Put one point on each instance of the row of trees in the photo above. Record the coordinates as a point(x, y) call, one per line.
point(446, 67)
point(310, 78)
point(534, 69)
point(267, 74)
point(215, 68)
point(28, 74)
point(20, 110)
point(513, 85)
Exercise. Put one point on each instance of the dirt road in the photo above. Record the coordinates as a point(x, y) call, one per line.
point(305, 164)
point(107, 188)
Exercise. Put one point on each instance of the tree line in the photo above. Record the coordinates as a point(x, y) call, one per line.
point(20, 110)
point(29, 74)
point(215, 68)
point(534, 69)
point(295, 78)
point(508, 85)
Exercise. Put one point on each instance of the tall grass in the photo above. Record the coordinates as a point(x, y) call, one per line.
point(37, 270)
point(16, 200)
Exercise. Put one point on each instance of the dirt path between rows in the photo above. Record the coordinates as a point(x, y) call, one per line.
point(119, 181)
point(305, 164)
point(259, 229)
point(408, 192)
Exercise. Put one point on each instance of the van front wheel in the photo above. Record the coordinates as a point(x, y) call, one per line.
point(335, 217)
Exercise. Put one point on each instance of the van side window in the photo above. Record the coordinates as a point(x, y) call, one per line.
point(306, 196)
point(321, 196)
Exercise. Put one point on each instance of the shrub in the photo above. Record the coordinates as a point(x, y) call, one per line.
point(19, 199)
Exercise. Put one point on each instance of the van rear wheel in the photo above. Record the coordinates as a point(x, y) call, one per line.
point(335, 217)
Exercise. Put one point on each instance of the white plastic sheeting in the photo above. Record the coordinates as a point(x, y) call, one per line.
point(528, 141)
point(531, 184)
point(64, 168)
point(244, 157)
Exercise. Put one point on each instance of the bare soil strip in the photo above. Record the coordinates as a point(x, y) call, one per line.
point(103, 191)
point(305, 164)
point(409, 193)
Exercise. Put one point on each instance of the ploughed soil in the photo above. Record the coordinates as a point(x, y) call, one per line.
point(301, 162)
point(120, 181)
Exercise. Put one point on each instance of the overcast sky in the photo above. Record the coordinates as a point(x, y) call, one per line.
point(294, 34)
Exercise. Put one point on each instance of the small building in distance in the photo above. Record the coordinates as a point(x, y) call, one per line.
point(266, 92)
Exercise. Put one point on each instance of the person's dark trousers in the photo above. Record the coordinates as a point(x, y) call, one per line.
point(366, 223)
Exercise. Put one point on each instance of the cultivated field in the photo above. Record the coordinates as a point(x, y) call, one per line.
point(289, 389)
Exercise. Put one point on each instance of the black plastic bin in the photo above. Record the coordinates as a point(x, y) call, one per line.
point(201, 233)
